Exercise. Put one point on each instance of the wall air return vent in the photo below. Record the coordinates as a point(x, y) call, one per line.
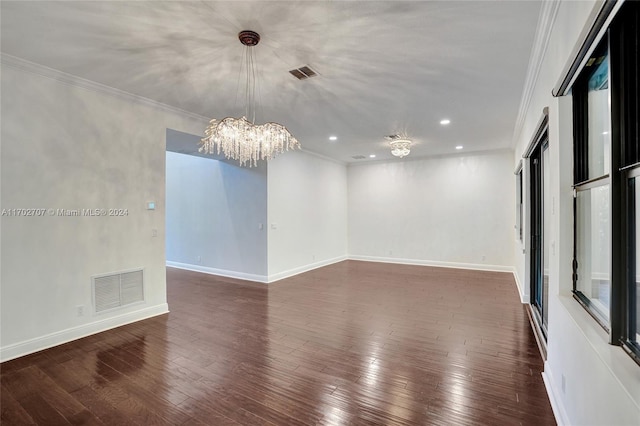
point(303, 73)
point(117, 290)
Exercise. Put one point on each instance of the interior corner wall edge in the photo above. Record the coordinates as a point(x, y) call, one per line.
point(305, 268)
point(588, 380)
point(307, 213)
point(71, 148)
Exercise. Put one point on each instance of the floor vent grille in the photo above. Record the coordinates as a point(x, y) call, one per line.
point(117, 290)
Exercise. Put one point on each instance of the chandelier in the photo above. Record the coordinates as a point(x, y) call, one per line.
point(400, 146)
point(241, 139)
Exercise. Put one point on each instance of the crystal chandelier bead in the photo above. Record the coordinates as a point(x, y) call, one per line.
point(240, 139)
point(400, 147)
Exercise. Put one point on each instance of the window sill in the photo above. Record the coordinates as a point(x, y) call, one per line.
point(617, 361)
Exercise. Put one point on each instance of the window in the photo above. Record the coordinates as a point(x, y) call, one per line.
point(539, 227)
point(519, 204)
point(593, 254)
point(633, 340)
point(606, 133)
point(592, 247)
point(592, 148)
point(625, 52)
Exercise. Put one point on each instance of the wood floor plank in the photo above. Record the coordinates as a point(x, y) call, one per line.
point(12, 412)
point(41, 411)
point(353, 343)
point(32, 380)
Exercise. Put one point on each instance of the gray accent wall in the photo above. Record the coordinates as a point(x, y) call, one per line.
point(216, 215)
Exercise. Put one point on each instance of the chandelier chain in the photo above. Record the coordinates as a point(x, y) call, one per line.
point(240, 138)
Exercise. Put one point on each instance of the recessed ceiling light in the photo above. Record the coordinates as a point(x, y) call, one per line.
point(605, 133)
point(445, 121)
point(333, 138)
point(459, 147)
point(372, 156)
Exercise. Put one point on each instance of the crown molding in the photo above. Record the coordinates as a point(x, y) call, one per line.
point(546, 20)
point(75, 81)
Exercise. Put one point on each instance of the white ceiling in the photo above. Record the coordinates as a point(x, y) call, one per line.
point(385, 66)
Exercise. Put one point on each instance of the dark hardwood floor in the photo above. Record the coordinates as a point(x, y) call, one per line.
point(352, 343)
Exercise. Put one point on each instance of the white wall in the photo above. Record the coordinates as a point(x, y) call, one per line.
point(70, 147)
point(455, 210)
point(307, 211)
point(601, 383)
point(214, 213)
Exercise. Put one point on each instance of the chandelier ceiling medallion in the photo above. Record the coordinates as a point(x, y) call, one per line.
point(400, 145)
point(240, 138)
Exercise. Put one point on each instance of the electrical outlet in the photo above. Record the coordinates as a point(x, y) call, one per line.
point(564, 383)
point(80, 310)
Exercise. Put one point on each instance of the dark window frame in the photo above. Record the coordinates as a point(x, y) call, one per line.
point(625, 111)
point(536, 226)
point(519, 203)
point(577, 294)
point(582, 178)
point(629, 340)
point(622, 39)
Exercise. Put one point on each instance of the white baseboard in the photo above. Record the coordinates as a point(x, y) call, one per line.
point(440, 264)
point(37, 344)
point(220, 272)
point(308, 267)
point(556, 403)
point(54, 339)
point(524, 297)
point(305, 268)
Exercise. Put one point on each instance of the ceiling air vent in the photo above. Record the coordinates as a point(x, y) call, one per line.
point(358, 157)
point(303, 72)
